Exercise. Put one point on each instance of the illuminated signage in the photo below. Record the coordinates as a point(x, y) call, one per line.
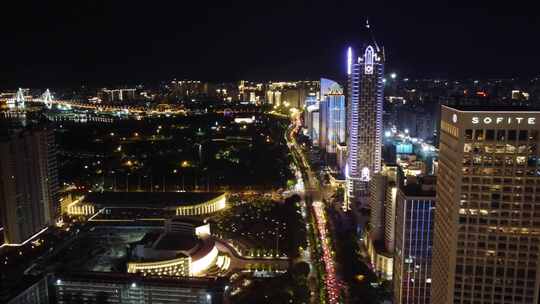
point(368, 57)
point(503, 120)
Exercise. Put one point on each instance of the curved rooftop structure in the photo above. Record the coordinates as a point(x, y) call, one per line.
point(130, 206)
point(173, 253)
point(150, 199)
point(328, 86)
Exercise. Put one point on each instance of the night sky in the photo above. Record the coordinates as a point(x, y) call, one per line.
point(50, 43)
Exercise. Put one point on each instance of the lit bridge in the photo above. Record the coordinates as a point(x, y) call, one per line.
point(19, 102)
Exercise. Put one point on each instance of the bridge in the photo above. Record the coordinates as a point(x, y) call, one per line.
point(20, 101)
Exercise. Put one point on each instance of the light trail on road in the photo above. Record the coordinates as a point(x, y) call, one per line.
point(313, 191)
point(332, 284)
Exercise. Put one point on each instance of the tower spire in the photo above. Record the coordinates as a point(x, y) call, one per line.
point(371, 35)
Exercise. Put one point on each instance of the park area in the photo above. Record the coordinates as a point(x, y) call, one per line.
point(262, 227)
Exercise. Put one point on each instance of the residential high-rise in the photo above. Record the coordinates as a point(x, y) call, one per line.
point(415, 206)
point(487, 223)
point(28, 183)
point(365, 102)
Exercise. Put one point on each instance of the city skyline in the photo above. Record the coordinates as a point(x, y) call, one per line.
point(101, 42)
point(308, 152)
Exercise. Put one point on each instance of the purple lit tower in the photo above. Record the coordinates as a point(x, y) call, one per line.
point(365, 106)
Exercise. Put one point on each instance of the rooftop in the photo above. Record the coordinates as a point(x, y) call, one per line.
point(176, 241)
point(423, 187)
point(128, 278)
point(493, 108)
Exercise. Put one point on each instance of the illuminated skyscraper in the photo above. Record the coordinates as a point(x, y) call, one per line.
point(29, 183)
point(336, 120)
point(326, 85)
point(365, 102)
point(323, 124)
point(486, 243)
point(415, 206)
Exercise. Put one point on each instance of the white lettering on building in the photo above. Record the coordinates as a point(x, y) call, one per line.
point(499, 120)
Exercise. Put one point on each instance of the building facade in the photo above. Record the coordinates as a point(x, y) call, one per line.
point(415, 206)
point(331, 117)
point(323, 125)
point(382, 205)
point(487, 223)
point(29, 199)
point(35, 293)
point(365, 100)
point(127, 288)
point(311, 119)
point(341, 157)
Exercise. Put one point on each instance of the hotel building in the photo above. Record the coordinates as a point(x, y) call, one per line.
point(487, 223)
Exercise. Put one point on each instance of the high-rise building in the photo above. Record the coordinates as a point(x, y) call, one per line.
point(365, 101)
point(114, 95)
point(341, 157)
point(306, 88)
point(335, 120)
point(415, 206)
point(379, 238)
point(382, 202)
point(315, 130)
point(323, 125)
point(28, 183)
point(486, 242)
point(331, 116)
point(312, 123)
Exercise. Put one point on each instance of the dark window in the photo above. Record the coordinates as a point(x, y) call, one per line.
point(533, 135)
point(512, 134)
point(490, 134)
point(501, 135)
point(523, 135)
point(468, 134)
